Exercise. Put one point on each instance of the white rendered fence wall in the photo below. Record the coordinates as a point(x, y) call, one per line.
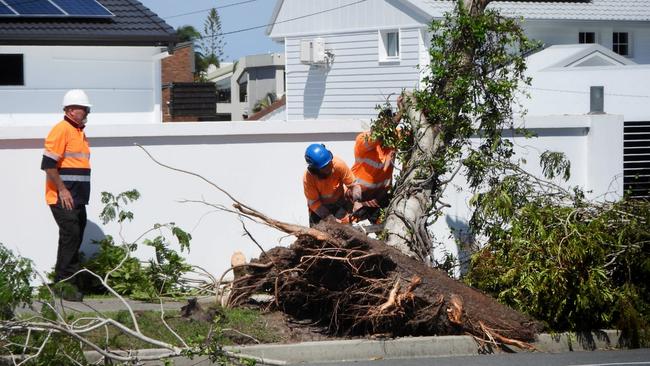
point(260, 163)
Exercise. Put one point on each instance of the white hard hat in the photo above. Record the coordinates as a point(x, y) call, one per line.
point(76, 97)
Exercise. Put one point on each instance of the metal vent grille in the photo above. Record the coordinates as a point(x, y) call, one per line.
point(636, 159)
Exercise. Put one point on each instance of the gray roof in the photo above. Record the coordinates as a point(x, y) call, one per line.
point(132, 25)
point(628, 10)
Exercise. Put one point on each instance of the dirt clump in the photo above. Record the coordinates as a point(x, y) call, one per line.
point(345, 284)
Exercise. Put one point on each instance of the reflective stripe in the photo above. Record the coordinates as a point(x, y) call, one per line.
point(372, 163)
point(51, 155)
point(326, 196)
point(385, 183)
point(76, 155)
point(311, 202)
point(75, 178)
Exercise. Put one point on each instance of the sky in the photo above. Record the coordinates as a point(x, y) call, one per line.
point(235, 15)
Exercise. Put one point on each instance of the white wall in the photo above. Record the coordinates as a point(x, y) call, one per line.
point(566, 32)
point(261, 163)
point(122, 82)
point(357, 80)
point(339, 16)
point(566, 90)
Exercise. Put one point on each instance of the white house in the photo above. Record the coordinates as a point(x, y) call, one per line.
point(110, 48)
point(368, 51)
point(242, 84)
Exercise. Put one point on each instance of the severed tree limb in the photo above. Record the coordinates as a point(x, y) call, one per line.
point(492, 334)
point(293, 229)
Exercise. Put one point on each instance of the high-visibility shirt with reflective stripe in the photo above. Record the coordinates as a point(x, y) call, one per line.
point(67, 150)
point(373, 166)
point(328, 190)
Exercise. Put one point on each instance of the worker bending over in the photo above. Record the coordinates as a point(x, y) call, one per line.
point(373, 169)
point(325, 183)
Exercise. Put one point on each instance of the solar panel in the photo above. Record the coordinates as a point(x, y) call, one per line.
point(34, 7)
point(89, 8)
point(54, 8)
point(4, 10)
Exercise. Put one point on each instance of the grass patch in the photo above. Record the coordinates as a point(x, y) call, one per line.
point(230, 326)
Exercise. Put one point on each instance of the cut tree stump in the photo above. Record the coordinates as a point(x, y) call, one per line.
point(356, 286)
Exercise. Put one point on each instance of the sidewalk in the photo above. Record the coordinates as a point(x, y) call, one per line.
point(108, 304)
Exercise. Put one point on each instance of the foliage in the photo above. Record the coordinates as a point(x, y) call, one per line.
point(265, 102)
point(212, 42)
point(476, 67)
point(126, 274)
point(575, 264)
point(15, 273)
point(188, 33)
point(470, 91)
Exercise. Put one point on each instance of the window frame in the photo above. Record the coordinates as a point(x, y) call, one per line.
point(20, 80)
point(585, 33)
point(384, 46)
point(627, 44)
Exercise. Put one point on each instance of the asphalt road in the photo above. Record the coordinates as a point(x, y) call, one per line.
point(639, 357)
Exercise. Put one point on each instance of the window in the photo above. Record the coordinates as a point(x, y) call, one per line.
point(392, 44)
point(243, 92)
point(11, 69)
point(621, 43)
point(587, 37)
point(223, 95)
point(389, 45)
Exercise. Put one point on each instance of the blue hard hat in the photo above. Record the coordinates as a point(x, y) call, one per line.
point(317, 156)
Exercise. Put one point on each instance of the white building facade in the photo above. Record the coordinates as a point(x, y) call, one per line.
point(376, 46)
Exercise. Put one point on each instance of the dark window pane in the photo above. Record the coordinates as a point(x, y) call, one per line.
point(622, 50)
point(11, 69)
point(586, 37)
point(243, 92)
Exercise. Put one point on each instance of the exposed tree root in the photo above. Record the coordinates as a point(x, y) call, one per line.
point(353, 285)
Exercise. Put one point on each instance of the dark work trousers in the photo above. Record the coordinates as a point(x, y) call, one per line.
point(72, 224)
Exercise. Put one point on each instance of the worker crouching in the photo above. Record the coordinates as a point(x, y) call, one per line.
point(325, 183)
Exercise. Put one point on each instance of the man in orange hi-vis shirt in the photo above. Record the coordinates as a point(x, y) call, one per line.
point(325, 183)
point(373, 169)
point(66, 162)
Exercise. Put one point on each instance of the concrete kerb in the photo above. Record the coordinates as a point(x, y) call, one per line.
point(411, 347)
point(414, 347)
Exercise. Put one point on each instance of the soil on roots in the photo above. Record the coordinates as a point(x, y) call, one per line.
point(356, 286)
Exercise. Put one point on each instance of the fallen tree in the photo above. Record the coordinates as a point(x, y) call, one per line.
point(351, 285)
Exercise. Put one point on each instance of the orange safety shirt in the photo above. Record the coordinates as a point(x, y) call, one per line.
point(373, 165)
point(328, 190)
point(67, 150)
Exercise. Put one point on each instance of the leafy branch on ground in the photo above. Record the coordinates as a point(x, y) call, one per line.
point(573, 263)
point(162, 275)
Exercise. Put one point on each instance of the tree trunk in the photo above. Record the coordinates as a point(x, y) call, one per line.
point(417, 192)
point(407, 214)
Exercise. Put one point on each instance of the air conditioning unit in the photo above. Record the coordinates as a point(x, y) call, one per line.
point(312, 51)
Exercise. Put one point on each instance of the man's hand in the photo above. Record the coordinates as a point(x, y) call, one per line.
point(64, 194)
point(390, 160)
point(345, 219)
point(66, 199)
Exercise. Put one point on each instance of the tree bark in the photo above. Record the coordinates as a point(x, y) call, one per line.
point(413, 205)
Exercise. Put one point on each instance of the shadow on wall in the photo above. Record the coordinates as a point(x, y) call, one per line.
point(314, 92)
point(89, 246)
point(464, 239)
